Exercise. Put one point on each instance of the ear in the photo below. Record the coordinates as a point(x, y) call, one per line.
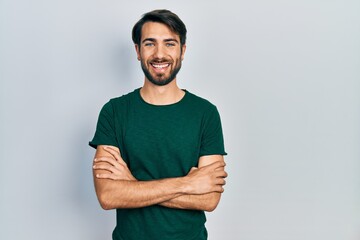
point(137, 48)
point(183, 49)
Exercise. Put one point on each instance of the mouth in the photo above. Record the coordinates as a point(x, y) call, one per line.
point(160, 67)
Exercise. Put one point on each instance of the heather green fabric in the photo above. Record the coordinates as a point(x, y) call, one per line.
point(160, 142)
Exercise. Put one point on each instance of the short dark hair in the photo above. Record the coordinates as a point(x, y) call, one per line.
point(164, 16)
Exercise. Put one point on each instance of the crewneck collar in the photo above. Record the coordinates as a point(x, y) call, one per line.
point(165, 105)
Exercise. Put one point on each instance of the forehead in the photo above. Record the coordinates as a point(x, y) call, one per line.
point(158, 31)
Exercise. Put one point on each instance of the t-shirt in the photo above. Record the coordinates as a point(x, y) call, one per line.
point(160, 141)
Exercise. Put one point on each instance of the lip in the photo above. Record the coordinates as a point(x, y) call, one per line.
point(160, 67)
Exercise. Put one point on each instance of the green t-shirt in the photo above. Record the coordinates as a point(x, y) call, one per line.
point(160, 142)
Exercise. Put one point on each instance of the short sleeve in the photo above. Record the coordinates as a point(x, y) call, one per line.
point(105, 133)
point(212, 140)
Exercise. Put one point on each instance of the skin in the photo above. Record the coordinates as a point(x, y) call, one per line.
point(160, 53)
point(115, 185)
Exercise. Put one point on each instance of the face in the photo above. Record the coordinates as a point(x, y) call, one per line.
point(160, 53)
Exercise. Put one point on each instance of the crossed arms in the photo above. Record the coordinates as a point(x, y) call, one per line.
point(116, 187)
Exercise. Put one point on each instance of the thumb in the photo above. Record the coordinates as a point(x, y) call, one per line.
point(193, 169)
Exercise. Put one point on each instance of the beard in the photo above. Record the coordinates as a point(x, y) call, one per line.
point(160, 79)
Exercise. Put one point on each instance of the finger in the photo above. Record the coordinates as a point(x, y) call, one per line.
point(106, 176)
point(106, 167)
point(112, 148)
point(219, 189)
point(215, 165)
point(222, 165)
point(220, 181)
point(108, 160)
point(111, 161)
point(222, 174)
point(220, 169)
point(115, 153)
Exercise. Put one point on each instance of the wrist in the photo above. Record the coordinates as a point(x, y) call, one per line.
point(184, 185)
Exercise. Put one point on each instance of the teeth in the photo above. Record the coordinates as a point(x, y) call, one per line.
point(160, 65)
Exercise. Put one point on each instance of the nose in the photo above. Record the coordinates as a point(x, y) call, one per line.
point(159, 52)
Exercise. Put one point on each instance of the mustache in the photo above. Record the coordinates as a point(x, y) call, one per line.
point(160, 60)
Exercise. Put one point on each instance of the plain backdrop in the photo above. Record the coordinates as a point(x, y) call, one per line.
point(285, 76)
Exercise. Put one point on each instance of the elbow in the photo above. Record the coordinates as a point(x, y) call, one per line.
point(210, 207)
point(105, 201)
point(105, 196)
point(212, 203)
point(104, 205)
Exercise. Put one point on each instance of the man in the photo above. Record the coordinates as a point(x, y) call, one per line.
point(159, 149)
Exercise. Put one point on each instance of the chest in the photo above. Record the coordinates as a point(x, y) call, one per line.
point(160, 144)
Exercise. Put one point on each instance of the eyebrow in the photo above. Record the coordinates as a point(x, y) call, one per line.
point(165, 40)
point(170, 40)
point(149, 39)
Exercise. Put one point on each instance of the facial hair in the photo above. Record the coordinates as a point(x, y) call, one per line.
point(158, 81)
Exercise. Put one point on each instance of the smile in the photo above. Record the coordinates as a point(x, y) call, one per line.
point(160, 66)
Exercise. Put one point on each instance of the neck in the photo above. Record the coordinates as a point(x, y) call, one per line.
point(161, 95)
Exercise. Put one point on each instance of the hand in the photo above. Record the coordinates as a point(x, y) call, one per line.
point(210, 178)
point(115, 166)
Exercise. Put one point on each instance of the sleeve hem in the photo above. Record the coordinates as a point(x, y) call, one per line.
point(95, 144)
point(213, 153)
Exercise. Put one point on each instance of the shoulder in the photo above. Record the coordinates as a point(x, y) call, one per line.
point(200, 103)
point(121, 102)
point(123, 99)
point(118, 103)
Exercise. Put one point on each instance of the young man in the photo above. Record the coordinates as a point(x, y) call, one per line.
point(159, 149)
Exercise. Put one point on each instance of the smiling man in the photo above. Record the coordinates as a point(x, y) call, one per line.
point(159, 149)
point(164, 59)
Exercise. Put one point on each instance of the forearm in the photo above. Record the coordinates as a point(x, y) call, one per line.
point(137, 194)
point(116, 187)
point(205, 202)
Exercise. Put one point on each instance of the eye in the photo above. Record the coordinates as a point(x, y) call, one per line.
point(170, 44)
point(149, 44)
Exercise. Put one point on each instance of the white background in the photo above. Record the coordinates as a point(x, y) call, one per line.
point(285, 76)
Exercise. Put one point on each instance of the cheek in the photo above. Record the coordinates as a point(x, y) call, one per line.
point(146, 55)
